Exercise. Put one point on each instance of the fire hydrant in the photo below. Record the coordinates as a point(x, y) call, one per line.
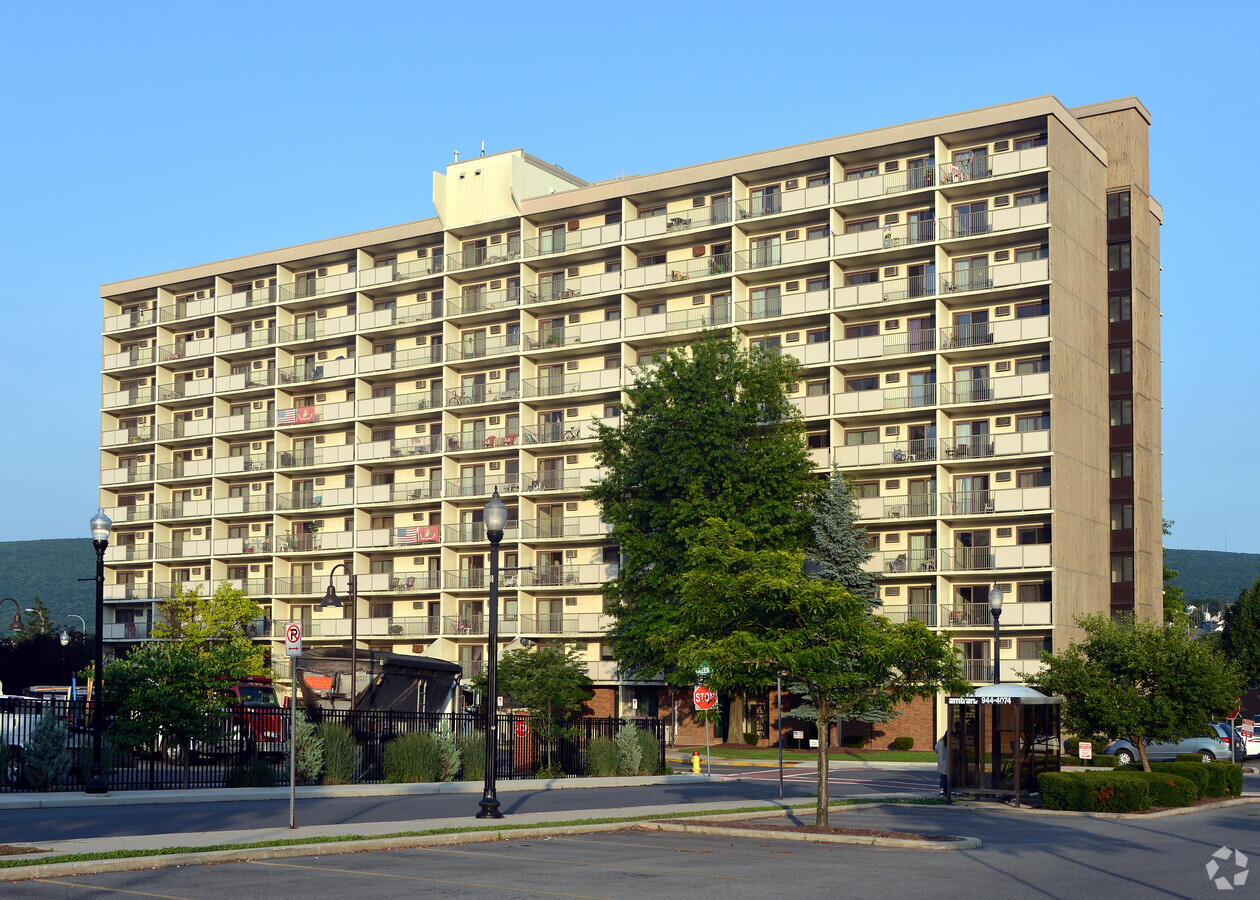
point(695, 762)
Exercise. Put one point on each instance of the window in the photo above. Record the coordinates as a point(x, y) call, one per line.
point(1033, 534)
point(817, 440)
point(1032, 366)
point(514, 333)
point(1120, 360)
point(816, 388)
point(654, 260)
point(869, 277)
point(1121, 516)
point(817, 181)
point(859, 225)
point(1027, 143)
point(861, 330)
point(771, 344)
point(1036, 592)
point(612, 362)
point(818, 284)
point(1122, 464)
point(1035, 422)
point(1122, 412)
point(862, 383)
point(817, 231)
point(1030, 648)
point(764, 201)
point(612, 218)
point(818, 336)
point(1119, 308)
point(866, 489)
point(613, 266)
point(1028, 254)
point(651, 309)
point(651, 211)
point(647, 357)
point(612, 411)
point(1118, 205)
point(1032, 310)
point(1033, 478)
point(1119, 257)
point(862, 172)
point(1121, 569)
point(612, 314)
point(1031, 197)
point(858, 436)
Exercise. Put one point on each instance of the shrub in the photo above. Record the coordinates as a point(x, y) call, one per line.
point(1189, 757)
point(1095, 791)
point(1168, 789)
point(649, 752)
point(855, 741)
point(602, 757)
point(83, 762)
point(472, 754)
point(310, 749)
point(1066, 760)
point(255, 773)
point(1231, 776)
point(903, 743)
point(449, 748)
point(414, 757)
point(629, 756)
point(751, 738)
point(552, 770)
point(343, 757)
point(47, 759)
point(1102, 760)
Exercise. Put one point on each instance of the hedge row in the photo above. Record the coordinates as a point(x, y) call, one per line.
point(1214, 779)
point(1099, 760)
point(1129, 789)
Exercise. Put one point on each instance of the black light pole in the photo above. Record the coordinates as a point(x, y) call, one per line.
point(65, 642)
point(495, 517)
point(332, 600)
point(995, 607)
point(17, 624)
point(100, 526)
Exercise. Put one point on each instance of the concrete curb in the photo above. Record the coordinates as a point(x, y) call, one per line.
point(1161, 814)
point(314, 792)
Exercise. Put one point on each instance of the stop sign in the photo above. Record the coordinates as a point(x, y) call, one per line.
point(521, 729)
point(704, 698)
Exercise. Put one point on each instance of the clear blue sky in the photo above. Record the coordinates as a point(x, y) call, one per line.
point(145, 137)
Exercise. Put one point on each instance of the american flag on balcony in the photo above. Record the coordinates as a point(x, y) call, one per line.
point(407, 535)
point(295, 416)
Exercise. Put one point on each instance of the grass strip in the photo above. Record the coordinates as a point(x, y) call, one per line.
point(812, 755)
point(349, 838)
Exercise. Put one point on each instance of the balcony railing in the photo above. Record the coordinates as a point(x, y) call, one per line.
point(480, 439)
point(476, 486)
point(559, 385)
point(978, 671)
point(128, 631)
point(556, 433)
point(557, 576)
point(481, 301)
point(420, 311)
point(405, 582)
point(480, 347)
point(400, 271)
point(314, 287)
point(138, 435)
point(983, 278)
point(787, 201)
point(889, 237)
point(399, 492)
point(913, 612)
point(562, 480)
point(492, 392)
point(678, 270)
point(473, 257)
point(574, 527)
point(984, 390)
point(973, 559)
point(400, 359)
point(899, 562)
point(132, 396)
point(251, 297)
point(578, 239)
point(475, 532)
point(783, 254)
point(134, 319)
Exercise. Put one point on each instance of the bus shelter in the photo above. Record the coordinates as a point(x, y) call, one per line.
point(999, 739)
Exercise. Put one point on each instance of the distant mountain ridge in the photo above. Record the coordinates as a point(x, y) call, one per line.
point(51, 569)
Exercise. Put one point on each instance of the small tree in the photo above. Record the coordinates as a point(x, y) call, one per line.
point(1240, 640)
point(209, 624)
point(36, 621)
point(550, 682)
point(310, 749)
point(840, 543)
point(47, 757)
point(1138, 680)
point(758, 615)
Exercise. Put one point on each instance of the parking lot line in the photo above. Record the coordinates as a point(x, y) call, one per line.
point(98, 887)
point(498, 887)
point(578, 862)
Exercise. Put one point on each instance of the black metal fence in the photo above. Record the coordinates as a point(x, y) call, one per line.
point(249, 747)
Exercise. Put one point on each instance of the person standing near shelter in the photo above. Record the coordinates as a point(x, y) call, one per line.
point(942, 762)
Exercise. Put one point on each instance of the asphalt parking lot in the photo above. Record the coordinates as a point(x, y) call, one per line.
point(1025, 854)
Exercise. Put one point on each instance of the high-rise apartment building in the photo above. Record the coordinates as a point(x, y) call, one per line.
point(974, 299)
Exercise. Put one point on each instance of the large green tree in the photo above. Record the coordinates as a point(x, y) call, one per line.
point(758, 616)
point(215, 625)
point(707, 431)
point(551, 682)
point(1138, 680)
point(1240, 640)
point(840, 551)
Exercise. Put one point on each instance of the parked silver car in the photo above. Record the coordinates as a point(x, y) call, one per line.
point(1209, 747)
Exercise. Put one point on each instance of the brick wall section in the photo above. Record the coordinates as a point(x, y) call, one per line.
point(603, 703)
point(917, 719)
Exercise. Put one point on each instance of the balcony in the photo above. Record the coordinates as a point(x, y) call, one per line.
point(128, 631)
point(420, 311)
point(783, 254)
point(574, 383)
point(912, 288)
point(569, 241)
point(994, 390)
point(119, 593)
point(201, 387)
point(244, 381)
point(407, 403)
point(557, 433)
point(307, 372)
point(590, 575)
point(246, 299)
point(915, 396)
point(571, 335)
point(134, 356)
point(475, 257)
point(185, 349)
point(572, 623)
point(490, 392)
point(475, 301)
point(236, 546)
point(561, 288)
point(304, 542)
point(182, 550)
point(188, 307)
point(678, 221)
point(136, 318)
point(186, 428)
point(249, 462)
point(131, 396)
point(560, 480)
point(897, 507)
point(793, 304)
point(312, 499)
point(987, 334)
point(400, 271)
point(399, 448)
point(251, 421)
point(902, 562)
point(139, 512)
point(679, 320)
point(475, 532)
point(480, 347)
point(812, 407)
point(399, 492)
point(412, 582)
point(480, 486)
point(983, 559)
point(312, 329)
point(996, 165)
point(568, 527)
point(296, 416)
point(305, 585)
point(395, 360)
point(248, 339)
point(126, 475)
point(978, 615)
point(985, 446)
point(901, 343)
point(787, 201)
point(480, 439)
point(406, 536)
point(889, 237)
point(319, 286)
point(995, 221)
point(119, 436)
point(977, 503)
point(912, 612)
point(677, 270)
point(984, 278)
point(978, 671)
point(891, 452)
point(184, 468)
point(184, 509)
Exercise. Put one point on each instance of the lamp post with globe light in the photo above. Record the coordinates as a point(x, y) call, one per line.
point(995, 607)
point(495, 517)
point(100, 527)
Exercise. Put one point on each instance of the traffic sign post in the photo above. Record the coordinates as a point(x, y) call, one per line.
point(705, 699)
point(293, 648)
point(293, 639)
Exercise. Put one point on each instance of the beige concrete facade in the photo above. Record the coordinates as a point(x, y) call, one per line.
point(947, 286)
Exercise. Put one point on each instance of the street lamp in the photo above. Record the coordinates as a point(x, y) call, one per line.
point(331, 600)
point(17, 624)
point(995, 607)
point(495, 518)
point(82, 624)
point(100, 527)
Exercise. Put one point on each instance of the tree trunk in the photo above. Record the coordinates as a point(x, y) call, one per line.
point(1141, 749)
point(824, 736)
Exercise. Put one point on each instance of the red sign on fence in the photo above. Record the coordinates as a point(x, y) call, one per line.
point(521, 729)
point(704, 698)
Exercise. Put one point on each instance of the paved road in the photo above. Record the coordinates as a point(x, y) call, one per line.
point(1024, 855)
point(753, 785)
